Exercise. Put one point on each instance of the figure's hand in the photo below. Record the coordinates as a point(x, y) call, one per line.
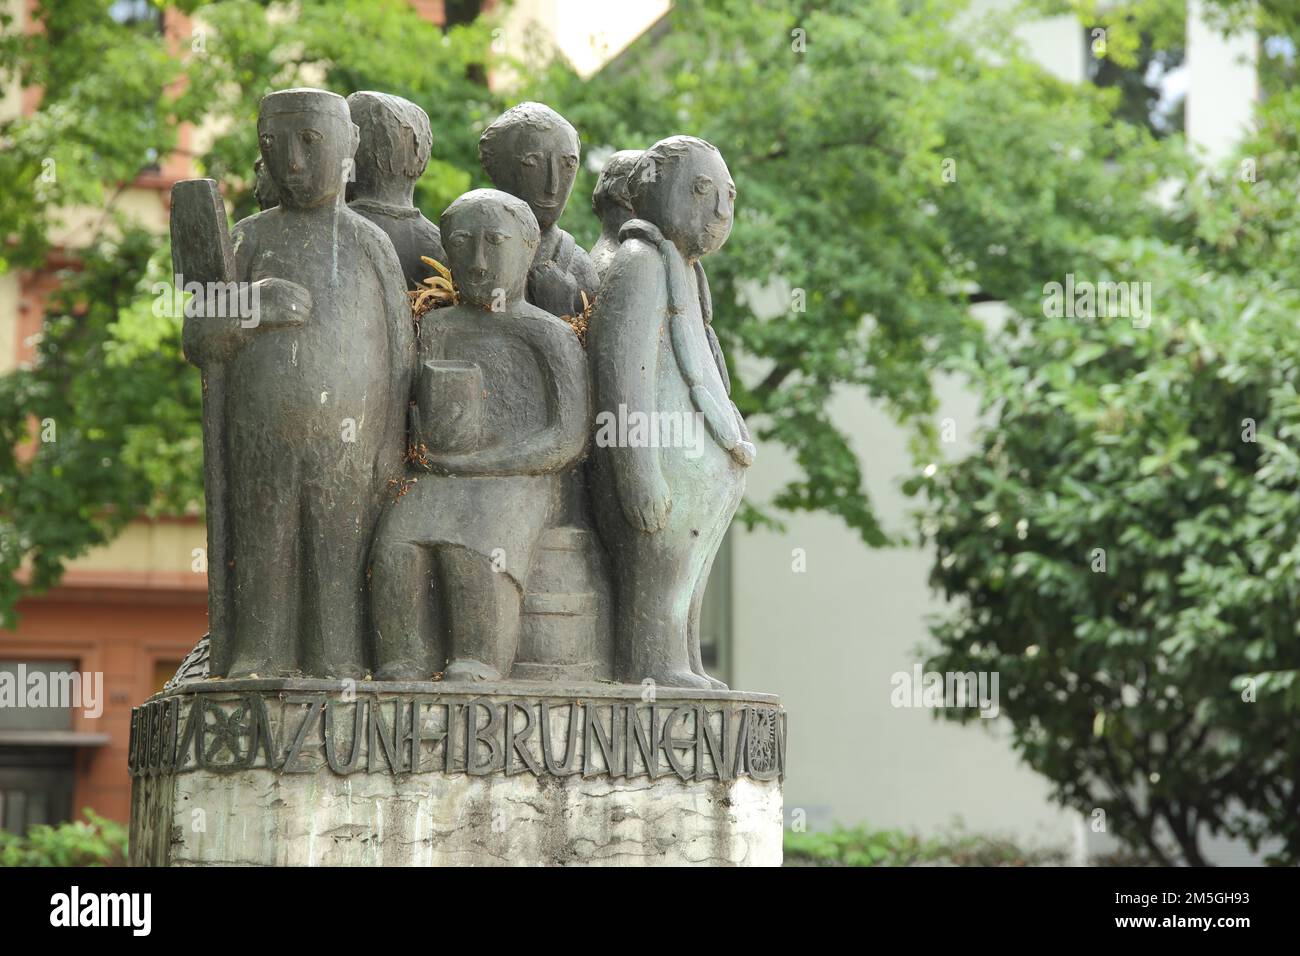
point(279, 304)
point(553, 289)
point(743, 453)
point(646, 504)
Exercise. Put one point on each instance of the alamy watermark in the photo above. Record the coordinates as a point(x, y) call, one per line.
point(932, 689)
point(1082, 299)
point(75, 909)
point(217, 300)
point(21, 688)
point(635, 429)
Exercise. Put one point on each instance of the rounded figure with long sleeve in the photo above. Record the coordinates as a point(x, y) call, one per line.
point(502, 409)
point(663, 505)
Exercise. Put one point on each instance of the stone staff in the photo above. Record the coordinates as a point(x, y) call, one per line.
point(202, 252)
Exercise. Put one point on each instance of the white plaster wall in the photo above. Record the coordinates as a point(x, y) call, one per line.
point(1223, 85)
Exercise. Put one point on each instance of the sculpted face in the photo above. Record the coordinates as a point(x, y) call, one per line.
point(547, 168)
point(305, 151)
point(691, 199)
point(489, 247)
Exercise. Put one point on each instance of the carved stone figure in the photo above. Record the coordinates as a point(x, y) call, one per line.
point(502, 411)
point(398, 491)
point(613, 206)
point(532, 152)
point(393, 153)
point(316, 385)
point(662, 506)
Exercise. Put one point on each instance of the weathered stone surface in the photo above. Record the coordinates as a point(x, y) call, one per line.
point(245, 773)
point(257, 817)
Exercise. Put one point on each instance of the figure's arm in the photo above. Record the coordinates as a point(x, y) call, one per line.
point(552, 289)
point(275, 304)
point(743, 448)
point(584, 273)
point(568, 404)
point(623, 346)
point(400, 323)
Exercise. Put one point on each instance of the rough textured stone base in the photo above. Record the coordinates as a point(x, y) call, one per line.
point(257, 817)
point(692, 779)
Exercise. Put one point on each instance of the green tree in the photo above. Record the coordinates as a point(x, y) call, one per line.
point(1121, 544)
point(103, 426)
point(895, 162)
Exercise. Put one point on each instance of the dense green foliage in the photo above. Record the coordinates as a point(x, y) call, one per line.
point(94, 841)
point(1122, 546)
point(862, 846)
point(104, 424)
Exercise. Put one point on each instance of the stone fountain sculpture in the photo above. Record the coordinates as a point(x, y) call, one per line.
point(399, 507)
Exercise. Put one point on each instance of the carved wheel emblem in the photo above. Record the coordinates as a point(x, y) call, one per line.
point(227, 731)
point(762, 740)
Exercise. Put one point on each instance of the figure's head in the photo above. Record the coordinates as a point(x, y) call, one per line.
point(682, 185)
point(307, 140)
point(263, 189)
point(610, 200)
point(490, 238)
point(395, 140)
point(531, 151)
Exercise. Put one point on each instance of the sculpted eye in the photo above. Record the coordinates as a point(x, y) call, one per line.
point(532, 159)
point(267, 140)
point(702, 184)
point(310, 136)
point(571, 162)
point(496, 238)
point(458, 238)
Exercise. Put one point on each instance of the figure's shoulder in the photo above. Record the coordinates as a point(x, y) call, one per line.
point(426, 226)
point(251, 225)
point(539, 324)
point(362, 226)
point(370, 237)
point(636, 259)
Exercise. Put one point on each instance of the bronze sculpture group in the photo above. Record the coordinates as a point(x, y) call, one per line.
point(404, 495)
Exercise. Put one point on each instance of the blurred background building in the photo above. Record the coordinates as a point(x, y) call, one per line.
point(809, 614)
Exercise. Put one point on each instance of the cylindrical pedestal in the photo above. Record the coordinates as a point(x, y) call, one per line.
point(319, 773)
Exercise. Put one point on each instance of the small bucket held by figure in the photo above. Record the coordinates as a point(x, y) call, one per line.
point(449, 406)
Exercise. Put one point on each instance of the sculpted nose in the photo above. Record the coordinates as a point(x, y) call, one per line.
point(722, 206)
point(295, 158)
point(480, 256)
point(553, 175)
